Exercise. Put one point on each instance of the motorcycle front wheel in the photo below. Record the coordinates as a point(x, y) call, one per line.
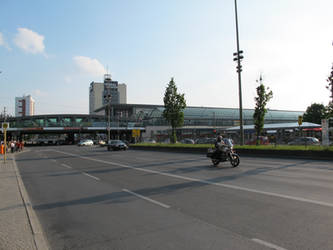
point(234, 160)
point(215, 162)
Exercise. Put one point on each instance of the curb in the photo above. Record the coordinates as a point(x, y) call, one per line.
point(37, 232)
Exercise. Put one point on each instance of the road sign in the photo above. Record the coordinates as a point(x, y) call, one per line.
point(136, 133)
point(300, 120)
point(4, 126)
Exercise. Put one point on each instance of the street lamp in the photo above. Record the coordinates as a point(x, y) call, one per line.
point(108, 99)
point(238, 57)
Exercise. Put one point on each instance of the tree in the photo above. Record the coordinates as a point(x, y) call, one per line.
point(174, 104)
point(330, 84)
point(314, 113)
point(263, 97)
point(329, 110)
point(329, 107)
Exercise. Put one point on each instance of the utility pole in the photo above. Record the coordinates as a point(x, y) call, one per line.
point(108, 110)
point(4, 128)
point(238, 56)
point(109, 114)
point(4, 113)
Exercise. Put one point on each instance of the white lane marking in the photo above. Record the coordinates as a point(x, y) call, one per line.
point(267, 244)
point(66, 166)
point(322, 203)
point(146, 198)
point(53, 160)
point(91, 176)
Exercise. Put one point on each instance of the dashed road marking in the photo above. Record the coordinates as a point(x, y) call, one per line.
point(146, 198)
point(66, 166)
point(289, 197)
point(267, 244)
point(91, 176)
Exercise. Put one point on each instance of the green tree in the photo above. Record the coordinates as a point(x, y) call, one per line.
point(329, 110)
point(330, 84)
point(329, 107)
point(263, 97)
point(314, 113)
point(174, 104)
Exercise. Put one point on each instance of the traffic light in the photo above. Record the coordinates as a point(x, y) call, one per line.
point(238, 55)
point(239, 69)
point(300, 120)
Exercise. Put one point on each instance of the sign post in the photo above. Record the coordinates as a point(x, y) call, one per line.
point(5, 125)
point(300, 121)
point(325, 132)
point(136, 134)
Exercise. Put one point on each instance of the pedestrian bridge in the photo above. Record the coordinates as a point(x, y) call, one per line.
point(64, 123)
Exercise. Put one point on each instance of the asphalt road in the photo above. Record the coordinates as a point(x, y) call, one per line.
point(89, 198)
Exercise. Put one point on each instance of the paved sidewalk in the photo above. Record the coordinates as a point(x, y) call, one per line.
point(19, 226)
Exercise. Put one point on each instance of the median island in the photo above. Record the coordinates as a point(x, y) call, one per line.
point(289, 151)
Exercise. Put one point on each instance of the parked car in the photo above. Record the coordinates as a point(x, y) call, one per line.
point(116, 145)
point(263, 140)
point(86, 142)
point(304, 141)
point(101, 143)
point(126, 142)
point(148, 140)
point(205, 141)
point(187, 141)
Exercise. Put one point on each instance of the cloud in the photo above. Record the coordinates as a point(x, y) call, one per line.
point(39, 93)
point(90, 66)
point(29, 41)
point(68, 79)
point(3, 42)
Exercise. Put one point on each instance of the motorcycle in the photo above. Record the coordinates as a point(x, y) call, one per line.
point(228, 154)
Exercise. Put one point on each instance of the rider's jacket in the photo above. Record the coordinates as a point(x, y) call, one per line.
point(220, 145)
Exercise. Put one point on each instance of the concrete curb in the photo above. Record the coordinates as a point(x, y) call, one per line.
point(38, 234)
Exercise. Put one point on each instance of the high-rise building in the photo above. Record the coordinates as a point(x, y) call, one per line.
point(122, 93)
point(101, 93)
point(95, 96)
point(110, 92)
point(24, 106)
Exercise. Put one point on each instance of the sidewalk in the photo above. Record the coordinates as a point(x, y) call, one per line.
point(19, 226)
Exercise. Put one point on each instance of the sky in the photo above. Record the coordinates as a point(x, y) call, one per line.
point(53, 50)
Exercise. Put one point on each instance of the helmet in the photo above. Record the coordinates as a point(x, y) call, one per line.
point(219, 138)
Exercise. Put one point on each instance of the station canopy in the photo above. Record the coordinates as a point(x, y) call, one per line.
point(274, 126)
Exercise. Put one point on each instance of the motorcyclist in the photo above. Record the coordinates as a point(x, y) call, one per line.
point(220, 144)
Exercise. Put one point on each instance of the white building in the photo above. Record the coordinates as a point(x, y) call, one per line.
point(95, 96)
point(98, 90)
point(24, 106)
point(122, 88)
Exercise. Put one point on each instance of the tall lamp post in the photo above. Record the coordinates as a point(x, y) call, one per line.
point(237, 57)
point(108, 98)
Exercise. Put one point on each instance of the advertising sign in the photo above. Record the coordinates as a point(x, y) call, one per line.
point(136, 133)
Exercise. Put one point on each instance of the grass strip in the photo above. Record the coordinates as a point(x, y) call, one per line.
point(249, 147)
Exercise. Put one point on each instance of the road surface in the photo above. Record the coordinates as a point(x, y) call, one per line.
point(89, 198)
